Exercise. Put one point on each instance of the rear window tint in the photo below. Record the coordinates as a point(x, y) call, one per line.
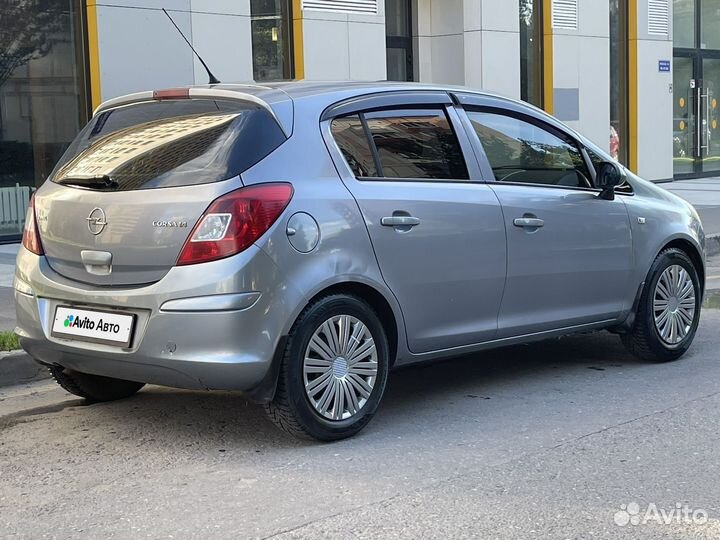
point(354, 145)
point(417, 144)
point(168, 143)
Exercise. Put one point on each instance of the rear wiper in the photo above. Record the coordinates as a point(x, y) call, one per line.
point(103, 182)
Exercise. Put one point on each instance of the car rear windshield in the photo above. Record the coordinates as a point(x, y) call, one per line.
point(170, 143)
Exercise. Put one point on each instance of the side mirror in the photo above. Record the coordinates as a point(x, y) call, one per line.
point(609, 176)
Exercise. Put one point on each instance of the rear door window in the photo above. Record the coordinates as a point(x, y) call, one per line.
point(412, 144)
point(352, 139)
point(417, 144)
point(168, 143)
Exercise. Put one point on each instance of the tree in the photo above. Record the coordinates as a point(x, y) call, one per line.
point(28, 31)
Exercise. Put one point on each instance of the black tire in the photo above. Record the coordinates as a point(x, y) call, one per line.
point(94, 387)
point(291, 409)
point(644, 341)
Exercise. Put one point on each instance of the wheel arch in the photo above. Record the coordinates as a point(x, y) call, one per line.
point(684, 244)
point(376, 300)
point(692, 251)
point(389, 314)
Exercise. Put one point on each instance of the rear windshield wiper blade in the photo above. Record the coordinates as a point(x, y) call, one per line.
point(103, 182)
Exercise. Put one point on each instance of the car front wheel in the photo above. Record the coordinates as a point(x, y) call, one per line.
point(334, 370)
point(669, 309)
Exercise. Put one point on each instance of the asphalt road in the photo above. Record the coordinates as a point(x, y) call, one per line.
point(539, 441)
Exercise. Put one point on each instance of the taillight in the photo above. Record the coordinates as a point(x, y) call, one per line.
point(31, 235)
point(234, 222)
point(172, 93)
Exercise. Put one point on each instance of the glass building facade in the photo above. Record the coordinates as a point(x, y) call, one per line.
point(398, 31)
point(271, 26)
point(43, 89)
point(619, 80)
point(531, 38)
point(696, 88)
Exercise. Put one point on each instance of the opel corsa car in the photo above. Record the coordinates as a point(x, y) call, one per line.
point(296, 241)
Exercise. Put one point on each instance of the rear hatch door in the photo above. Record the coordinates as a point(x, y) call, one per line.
point(124, 197)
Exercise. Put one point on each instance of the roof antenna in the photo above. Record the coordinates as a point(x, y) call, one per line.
point(211, 78)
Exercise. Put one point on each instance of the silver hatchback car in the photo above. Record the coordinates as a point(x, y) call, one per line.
point(296, 241)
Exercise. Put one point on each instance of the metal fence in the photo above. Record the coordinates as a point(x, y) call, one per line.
point(13, 207)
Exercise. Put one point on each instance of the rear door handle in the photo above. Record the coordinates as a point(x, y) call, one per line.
point(528, 222)
point(400, 221)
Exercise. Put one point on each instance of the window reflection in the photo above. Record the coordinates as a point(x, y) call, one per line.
point(416, 144)
point(355, 146)
point(519, 151)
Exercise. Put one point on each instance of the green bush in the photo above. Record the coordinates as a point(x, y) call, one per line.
point(9, 341)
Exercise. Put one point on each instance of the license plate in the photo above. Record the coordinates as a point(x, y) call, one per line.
point(108, 327)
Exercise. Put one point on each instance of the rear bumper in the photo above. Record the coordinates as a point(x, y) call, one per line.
point(176, 342)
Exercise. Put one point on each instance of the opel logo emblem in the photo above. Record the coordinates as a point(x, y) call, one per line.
point(96, 221)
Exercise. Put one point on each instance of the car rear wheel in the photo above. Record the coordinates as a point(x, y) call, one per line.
point(669, 309)
point(94, 387)
point(334, 370)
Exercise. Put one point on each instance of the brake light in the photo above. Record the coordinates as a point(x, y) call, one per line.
point(31, 235)
point(234, 222)
point(172, 93)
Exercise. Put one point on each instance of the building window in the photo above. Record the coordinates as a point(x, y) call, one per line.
point(696, 87)
point(531, 64)
point(618, 80)
point(398, 29)
point(271, 22)
point(684, 23)
point(43, 97)
point(710, 24)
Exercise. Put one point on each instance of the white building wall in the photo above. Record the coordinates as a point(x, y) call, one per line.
point(340, 46)
point(655, 101)
point(475, 43)
point(492, 46)
point(140, 49)
point(581, 70)
point(439, 34)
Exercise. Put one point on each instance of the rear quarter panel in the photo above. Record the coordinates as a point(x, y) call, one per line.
point(344, 252)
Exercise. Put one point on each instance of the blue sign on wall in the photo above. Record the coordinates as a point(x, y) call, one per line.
point(664, 66)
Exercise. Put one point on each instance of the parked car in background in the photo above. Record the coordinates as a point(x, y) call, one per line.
point(297, 240)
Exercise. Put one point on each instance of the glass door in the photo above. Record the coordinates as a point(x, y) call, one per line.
point(709, 92)
point(684, 116)
point(696, 88)
point(696, 119)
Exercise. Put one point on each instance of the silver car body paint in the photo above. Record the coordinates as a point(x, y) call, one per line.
point(463, 280)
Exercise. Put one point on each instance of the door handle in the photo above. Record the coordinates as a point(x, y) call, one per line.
point(400, 221)
point(530, 223)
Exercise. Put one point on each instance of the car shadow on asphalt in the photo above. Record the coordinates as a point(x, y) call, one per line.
point(228, 420)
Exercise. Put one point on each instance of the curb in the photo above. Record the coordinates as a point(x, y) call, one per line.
point(712, 245)
point(17, 367)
